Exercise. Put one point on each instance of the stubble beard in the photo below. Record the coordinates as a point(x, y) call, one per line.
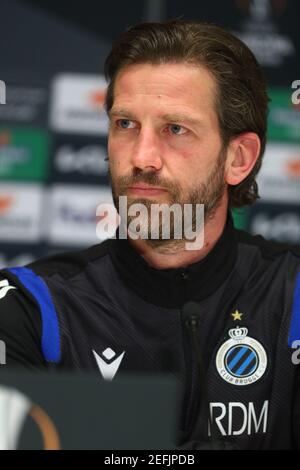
point(208, 193)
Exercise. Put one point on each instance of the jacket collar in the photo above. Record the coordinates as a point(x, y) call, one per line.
point(173, 287)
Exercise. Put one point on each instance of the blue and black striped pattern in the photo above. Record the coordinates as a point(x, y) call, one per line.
point(241, 361)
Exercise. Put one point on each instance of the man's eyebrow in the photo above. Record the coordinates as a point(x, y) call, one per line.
point(177, 117)
point(169, 117)
point(120, 112)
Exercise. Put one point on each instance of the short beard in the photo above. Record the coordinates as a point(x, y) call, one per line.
point(209, 194)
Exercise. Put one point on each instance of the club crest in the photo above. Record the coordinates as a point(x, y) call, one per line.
point(241, 360)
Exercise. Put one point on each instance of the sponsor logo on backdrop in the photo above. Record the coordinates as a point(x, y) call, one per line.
point(2, 92)
point(24, 104)
point(15, 408)
point(86, 160)
point(23, 154)
point(279, 177)
point(261, 32)
point(276, 222)
point(20, 212)
point(6, 203)
point(73, 218)
point(284, 115)
point(77, 104)
point(21, 259)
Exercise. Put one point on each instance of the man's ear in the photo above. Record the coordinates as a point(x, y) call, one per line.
point(242, 154)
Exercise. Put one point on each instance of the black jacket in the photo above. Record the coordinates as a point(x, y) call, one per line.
point(231, 348)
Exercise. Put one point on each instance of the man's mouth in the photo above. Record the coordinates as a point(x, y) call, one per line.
point(144, 189)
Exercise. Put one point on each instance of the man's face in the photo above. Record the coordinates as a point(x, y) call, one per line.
point(164, 142)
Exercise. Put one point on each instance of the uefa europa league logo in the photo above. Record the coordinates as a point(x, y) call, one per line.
point(2, 92)
point(15, 407)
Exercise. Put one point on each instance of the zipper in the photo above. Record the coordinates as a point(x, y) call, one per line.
point(196, 408)
point(184, 277)
point(198, 404)
point(190, 325)
point(193, 401)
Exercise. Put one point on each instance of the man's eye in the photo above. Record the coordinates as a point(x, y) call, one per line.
point(177, 129)
point(125, 123)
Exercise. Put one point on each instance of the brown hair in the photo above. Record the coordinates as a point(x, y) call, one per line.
point(241, 101)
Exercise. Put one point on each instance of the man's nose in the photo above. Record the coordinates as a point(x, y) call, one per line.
point(147, 150)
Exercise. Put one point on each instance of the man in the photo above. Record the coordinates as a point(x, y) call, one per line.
point(187, 107)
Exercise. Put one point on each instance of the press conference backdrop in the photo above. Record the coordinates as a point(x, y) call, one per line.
point(53, 127)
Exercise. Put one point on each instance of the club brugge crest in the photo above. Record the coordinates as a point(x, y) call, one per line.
point(241, 360)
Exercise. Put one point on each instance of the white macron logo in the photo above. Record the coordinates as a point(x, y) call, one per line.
point(108, 368)
point(4, 288)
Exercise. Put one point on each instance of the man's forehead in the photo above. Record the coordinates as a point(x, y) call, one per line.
point(165, 78)
point(180, 89)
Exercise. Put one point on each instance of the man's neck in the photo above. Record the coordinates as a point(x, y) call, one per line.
point(176, 255)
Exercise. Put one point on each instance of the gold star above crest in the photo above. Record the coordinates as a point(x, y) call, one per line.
point(236, 315)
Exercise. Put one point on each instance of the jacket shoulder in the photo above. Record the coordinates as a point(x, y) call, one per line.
point(68, 264)
point(268, 249)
